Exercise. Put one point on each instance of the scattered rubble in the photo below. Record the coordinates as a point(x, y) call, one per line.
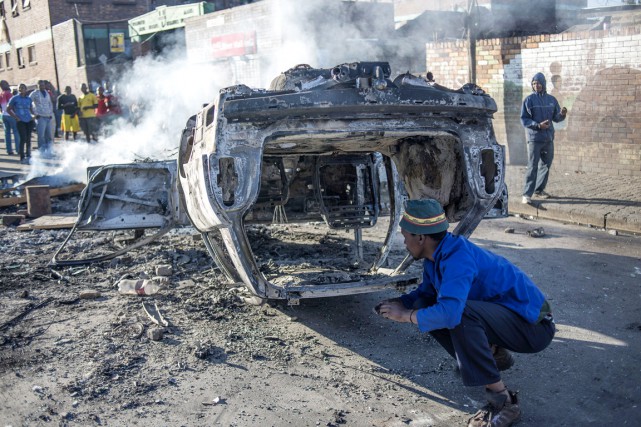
point(164, 270)
point(89, 294)
point(536, 232)
point(156, 334)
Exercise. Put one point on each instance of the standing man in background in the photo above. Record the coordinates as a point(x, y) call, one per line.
point(538, 112)
point(68, 103)
point(21, 109)
point(107, 110)
point(43, 109)
point(87, 104)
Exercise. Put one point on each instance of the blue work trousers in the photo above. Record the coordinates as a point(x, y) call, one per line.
point(540, 156)
point(484, 324)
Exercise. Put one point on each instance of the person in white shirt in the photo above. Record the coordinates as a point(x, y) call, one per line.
point(43, 108)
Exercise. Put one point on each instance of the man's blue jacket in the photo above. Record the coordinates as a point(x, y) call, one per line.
point(462, 271)
point(538, 107)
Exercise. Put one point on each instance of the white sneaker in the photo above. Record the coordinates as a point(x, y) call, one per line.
point(526, 200)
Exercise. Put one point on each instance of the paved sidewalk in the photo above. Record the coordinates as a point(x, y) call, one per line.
point(611, 202)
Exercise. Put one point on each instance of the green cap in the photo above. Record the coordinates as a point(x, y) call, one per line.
point(424, 216)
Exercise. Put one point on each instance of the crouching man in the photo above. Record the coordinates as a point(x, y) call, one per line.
point(476, 304)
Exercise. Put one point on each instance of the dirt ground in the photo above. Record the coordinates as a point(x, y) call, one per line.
point(327, 362)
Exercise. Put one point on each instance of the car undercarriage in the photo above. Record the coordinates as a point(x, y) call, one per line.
point(345, 146)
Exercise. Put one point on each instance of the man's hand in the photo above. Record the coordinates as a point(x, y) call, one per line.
point(545, 124)
point(394, 310)
point(564, 111)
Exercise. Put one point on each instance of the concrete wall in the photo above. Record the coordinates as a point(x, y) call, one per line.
point(596, 75)
point(255, 18)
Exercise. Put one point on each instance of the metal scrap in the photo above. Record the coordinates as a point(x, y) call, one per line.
point(154, 314)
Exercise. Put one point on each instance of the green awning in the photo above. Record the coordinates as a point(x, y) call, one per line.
point(165, 18)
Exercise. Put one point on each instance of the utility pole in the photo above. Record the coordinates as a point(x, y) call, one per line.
point(471, 23)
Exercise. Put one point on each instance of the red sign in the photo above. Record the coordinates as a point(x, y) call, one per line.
point(236, 44)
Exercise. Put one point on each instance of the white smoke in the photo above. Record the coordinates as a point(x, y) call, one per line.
point(168, 90)
point(325, 33)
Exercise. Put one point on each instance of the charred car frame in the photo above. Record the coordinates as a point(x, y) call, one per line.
point(341, 145)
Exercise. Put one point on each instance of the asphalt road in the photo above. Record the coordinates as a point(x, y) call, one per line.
point(326, 362)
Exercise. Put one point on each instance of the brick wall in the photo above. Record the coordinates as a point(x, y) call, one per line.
point(596, 75)
point(69, 74)
point(96, 10)
point(31, 28)
point(28, 31)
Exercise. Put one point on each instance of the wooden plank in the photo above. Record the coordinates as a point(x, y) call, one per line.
point(49, 222)
point(12, 201)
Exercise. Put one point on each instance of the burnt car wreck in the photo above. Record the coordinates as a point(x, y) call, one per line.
point(344, 146)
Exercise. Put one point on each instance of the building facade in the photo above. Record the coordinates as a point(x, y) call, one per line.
point(252, 44)
point(63, 41)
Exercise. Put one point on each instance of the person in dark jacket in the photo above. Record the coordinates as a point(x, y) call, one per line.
point(538, 113)
point(476, 304)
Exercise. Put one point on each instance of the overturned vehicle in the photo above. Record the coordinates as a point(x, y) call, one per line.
point(343, 146)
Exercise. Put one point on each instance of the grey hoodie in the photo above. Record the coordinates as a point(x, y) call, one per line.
point(538, 107)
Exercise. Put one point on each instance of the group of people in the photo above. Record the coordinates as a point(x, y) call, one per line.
point(24, 112)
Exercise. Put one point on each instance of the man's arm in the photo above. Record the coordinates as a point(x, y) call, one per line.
point(33, 97)
point(12, 112)
point(401, 309)
point(526, 116)
point(424, 290)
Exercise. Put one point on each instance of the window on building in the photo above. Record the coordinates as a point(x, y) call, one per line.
point(105, 42)
point(20, 58)
point(3, 13)
point(14, 7)
point(31, 54)
point(2, 62)
point(26, 4)
point(7, 60)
